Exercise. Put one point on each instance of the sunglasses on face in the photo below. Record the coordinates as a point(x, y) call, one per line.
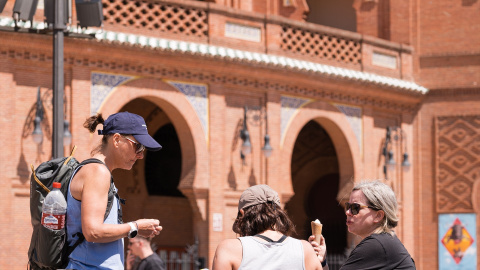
point(138, 146)
point(355, 208)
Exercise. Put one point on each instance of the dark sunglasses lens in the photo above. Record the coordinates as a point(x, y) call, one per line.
point(354, 208)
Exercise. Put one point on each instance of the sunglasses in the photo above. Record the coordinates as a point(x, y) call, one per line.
point(355, 208)
point(138, 146)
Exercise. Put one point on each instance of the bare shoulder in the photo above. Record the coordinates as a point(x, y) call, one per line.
point(307, 245)
point(233, 246)
point(228, 255)
point(92, 176)
point(96, 171)
point(97, 168)
point(311, 260)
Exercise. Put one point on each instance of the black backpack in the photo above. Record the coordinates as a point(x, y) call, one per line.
point(49, 248)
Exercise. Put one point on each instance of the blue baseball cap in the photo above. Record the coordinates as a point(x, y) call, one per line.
point(130, 124)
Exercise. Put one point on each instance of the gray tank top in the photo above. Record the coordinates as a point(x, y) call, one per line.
point(258, 254)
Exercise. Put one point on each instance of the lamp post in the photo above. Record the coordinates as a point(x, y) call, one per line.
point(58, 83)
point(245, 136)
point(393, 134)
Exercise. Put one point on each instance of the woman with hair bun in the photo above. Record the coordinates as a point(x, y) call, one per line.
point(123, 142)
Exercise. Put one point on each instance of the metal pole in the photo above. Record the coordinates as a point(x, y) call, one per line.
point(58, 83)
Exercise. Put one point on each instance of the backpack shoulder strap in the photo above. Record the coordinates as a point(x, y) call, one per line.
point(111, 194)
point(111, 190)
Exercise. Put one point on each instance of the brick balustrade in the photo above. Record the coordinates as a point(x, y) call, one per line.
point(217, 25)
point(209, 23)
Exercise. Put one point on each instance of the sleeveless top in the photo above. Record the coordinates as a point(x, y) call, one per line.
point(90, 255)
point(272, 255)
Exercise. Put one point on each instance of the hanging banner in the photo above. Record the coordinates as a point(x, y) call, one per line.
point(457, 248)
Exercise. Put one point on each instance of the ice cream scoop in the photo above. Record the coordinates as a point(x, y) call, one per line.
point(317, 230)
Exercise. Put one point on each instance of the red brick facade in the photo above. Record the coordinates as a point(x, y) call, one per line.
point(352, 84)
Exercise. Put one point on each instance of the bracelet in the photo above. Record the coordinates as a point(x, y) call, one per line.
point(135, 224)
point(324, 263)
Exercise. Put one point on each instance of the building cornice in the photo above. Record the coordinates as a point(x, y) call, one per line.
point(229, 54)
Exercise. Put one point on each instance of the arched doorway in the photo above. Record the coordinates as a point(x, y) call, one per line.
point(163, 168)
point(151, 186)
point(316, 182)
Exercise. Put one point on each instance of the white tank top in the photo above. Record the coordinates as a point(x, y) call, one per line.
point(258, 254)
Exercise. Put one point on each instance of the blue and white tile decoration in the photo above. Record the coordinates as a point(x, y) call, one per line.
point(197, 95)
point(289, 108)
point(354, 117)
point(102, 84)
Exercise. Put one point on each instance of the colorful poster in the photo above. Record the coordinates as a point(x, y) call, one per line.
point(457, 247)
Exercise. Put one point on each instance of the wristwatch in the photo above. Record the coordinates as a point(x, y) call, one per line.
point(133, 230)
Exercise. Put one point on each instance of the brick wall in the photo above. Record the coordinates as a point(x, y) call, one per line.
point(213, 174)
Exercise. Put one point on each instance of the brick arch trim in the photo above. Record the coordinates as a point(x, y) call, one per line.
point(343, 137)
point(194, 176)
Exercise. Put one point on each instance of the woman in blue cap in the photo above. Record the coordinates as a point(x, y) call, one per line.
point(125, 137)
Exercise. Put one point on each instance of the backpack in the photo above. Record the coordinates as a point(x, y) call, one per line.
point(48, 248)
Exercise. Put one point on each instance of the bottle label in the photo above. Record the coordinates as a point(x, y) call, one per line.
point(54, 222)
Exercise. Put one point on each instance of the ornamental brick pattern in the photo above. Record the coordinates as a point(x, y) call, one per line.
point(458, 161)
point(320, 45)
point(156, 16)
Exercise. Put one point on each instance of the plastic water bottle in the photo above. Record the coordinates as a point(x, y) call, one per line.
point(54, 209)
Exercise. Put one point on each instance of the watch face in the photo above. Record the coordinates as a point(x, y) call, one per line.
point(132, 234)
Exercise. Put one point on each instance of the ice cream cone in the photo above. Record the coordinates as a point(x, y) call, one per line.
point(317, 230)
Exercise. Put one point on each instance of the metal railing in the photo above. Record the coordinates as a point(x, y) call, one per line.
point(335, 261)
point(175, 260)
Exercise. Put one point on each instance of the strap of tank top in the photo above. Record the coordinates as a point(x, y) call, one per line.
point(270, 240)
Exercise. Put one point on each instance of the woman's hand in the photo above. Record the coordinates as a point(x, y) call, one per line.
point(320, 248)
point(149, 227)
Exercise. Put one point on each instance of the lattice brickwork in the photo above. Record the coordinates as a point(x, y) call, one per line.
point(319, 45)
point(458, 161)
point(156, 16)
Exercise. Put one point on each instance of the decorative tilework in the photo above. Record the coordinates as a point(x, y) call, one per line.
point(354, 117)
point(290, 106)
point(197, 95)
point(102, 84)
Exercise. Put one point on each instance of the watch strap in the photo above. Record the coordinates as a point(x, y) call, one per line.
point(133, 230)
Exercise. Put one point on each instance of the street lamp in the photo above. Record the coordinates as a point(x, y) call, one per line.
point(57, 14)
point(245, 135)
point(67, 136)
point(394, 134)
point(37, 134)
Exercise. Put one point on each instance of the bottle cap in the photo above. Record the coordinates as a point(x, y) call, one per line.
point(57, 185)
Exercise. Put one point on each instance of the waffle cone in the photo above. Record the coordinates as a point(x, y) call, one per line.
point(317, 230)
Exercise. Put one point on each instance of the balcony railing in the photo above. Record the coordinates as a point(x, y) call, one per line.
point(217, 25)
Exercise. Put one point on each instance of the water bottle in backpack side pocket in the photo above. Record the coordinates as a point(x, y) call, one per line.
point(54, 209)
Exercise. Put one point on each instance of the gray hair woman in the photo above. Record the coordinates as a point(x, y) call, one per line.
point(372, 215)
